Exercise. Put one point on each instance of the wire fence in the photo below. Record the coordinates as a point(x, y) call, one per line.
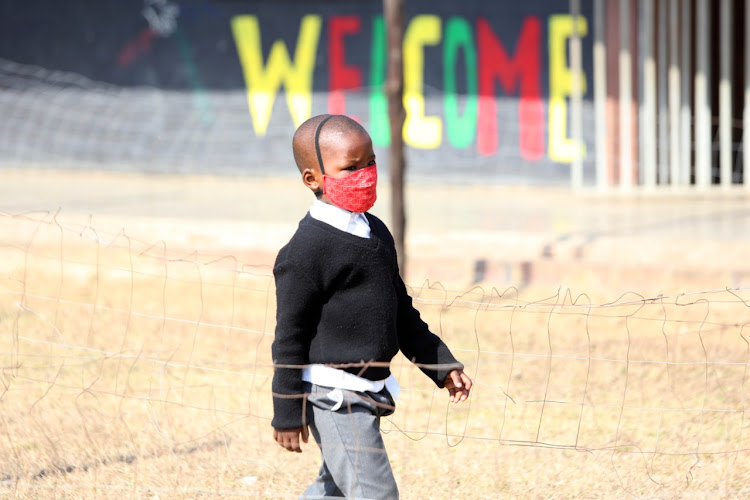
point(130, 366)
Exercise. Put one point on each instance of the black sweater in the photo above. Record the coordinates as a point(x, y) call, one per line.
point(340, 300)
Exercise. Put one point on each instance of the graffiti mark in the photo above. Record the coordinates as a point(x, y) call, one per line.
point(461, 129)
point(136, 47)
point(479, 70)
point(380, 129)
point(161, 16)
point(199, 93)
point(419, 130)
point(523, 70)
point(263, 82)
point(341, 77)
point(561, 28)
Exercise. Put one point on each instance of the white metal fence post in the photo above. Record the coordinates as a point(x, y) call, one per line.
point(702, 103)
point(626, 95)
point(686, 123)
point(647, 95)
point(663, 150)
point(674, 94)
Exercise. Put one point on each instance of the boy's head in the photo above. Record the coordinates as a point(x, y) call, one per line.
point(335, 157)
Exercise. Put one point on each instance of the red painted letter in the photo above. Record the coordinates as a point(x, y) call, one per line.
point(495, 64)
point(340, 76)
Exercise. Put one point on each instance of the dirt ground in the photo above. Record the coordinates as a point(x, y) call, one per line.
point(650, 242)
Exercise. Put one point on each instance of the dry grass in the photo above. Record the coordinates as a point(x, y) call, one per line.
point(131, 372)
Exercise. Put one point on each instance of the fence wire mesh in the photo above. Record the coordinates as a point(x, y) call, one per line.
point(127, 366)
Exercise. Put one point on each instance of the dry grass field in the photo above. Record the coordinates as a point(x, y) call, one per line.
point(136, 370)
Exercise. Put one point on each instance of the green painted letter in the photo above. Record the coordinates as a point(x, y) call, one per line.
point(461, 129)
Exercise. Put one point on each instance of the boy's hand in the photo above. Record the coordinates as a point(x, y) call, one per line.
point(458, 385)
point(289, 439)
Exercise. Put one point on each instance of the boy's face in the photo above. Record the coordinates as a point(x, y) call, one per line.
point(342, 154)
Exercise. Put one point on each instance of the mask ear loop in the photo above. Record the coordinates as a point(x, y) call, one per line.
point(319, 192)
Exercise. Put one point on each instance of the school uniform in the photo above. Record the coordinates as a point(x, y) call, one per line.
point(341, 302)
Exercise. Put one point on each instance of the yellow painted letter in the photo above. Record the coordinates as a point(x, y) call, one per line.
point(561, 148)
point(263, 83)
point(420, 131)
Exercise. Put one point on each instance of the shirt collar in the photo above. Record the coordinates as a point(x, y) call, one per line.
point(331, 214)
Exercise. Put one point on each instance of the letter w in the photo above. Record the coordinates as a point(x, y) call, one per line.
point(263, 83)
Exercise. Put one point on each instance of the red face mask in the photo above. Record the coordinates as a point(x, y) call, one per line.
point(356, 192)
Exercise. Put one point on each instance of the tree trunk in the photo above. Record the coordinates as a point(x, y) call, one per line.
point(394, 13)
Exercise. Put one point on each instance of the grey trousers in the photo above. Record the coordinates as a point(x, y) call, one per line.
point(346, 426)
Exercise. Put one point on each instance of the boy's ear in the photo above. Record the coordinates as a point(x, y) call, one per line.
point(310, 179)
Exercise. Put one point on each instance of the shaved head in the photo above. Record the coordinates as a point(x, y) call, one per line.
point(303, 142)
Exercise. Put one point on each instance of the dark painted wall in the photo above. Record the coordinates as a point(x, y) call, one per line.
point(220, 86)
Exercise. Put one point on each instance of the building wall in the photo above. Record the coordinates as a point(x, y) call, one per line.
point(220, 86)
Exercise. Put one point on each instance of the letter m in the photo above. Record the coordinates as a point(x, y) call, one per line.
point(521, 71)
point(263, 82)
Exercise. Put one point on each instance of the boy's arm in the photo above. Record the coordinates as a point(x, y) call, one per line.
point(423, 347)
point(297, 311)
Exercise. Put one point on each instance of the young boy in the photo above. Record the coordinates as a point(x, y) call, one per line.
point(343, 313)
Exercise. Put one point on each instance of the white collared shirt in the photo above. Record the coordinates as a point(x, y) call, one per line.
point(318, 374)
point(351, 222)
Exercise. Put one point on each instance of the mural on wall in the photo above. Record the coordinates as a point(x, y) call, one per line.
point(486, 87)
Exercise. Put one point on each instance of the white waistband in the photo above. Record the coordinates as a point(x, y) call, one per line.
point(339, 379)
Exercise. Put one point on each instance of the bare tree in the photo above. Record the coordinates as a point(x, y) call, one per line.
point(394, 12)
